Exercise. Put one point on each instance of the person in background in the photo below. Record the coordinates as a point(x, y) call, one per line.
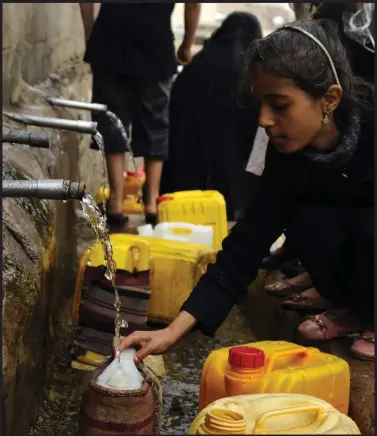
point(211, 130)
point(130, 47)
point(319, 173)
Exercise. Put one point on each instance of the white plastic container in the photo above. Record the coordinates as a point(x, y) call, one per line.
point(122, 375)
point(185, 232)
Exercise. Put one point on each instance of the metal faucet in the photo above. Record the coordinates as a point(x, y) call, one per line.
point(78, 126)
point(44, 189)
point(92, 107)
point(41, 140)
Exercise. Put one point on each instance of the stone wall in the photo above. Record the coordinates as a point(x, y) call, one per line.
point(43, 45)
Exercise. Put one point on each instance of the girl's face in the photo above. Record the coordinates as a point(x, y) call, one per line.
point(291, 117)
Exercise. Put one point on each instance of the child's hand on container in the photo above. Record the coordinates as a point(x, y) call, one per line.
point(157, 342)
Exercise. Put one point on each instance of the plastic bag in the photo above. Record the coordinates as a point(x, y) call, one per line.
point(122, 375)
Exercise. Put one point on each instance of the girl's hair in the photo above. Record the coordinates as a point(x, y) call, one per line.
point(293, 55)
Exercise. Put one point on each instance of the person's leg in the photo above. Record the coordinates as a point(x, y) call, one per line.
point(111, 89)
point(150, 131)
point(360, 278)
point(316, 237)
point(330, 244)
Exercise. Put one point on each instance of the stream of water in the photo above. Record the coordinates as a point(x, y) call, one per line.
point(99, 140)
point(98, 224)
point(119, 125)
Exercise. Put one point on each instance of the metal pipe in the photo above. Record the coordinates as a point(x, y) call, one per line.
point(34, 139)
point(55, 123)
point(92, 107)
point(44, 189)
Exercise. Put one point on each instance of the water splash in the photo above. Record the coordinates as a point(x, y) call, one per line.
point(98, 223)
point(101, 146)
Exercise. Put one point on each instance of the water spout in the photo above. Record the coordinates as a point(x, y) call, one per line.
point(78, 126)
point(41, 140)
point(44, 189)
point(92, 107)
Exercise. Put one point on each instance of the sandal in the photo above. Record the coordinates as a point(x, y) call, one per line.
point(332, 324)
point(363, 346)
point(284, 288)
point(308, 300)
point(151, 218)
point(116, 223)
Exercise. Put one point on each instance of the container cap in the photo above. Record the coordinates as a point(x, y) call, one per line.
point(164, 198)
point(246, 357)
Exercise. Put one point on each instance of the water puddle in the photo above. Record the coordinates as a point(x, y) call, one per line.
point(98, 224)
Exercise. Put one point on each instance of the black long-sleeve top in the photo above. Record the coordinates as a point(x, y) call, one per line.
point(289, 182)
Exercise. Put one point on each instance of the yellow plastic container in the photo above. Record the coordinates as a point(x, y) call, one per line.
point(130, 253)
point(275, 367)
point(175, 268)
point(272, 414)
point(196, 207)
point(133, 183)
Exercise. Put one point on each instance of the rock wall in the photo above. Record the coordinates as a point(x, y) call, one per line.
point(42, 56)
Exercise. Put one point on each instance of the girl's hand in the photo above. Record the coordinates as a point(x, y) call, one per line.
point(150, 342)
point(157, 342)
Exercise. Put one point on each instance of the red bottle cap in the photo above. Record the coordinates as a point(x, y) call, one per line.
point(164, 198)
point(246, 357)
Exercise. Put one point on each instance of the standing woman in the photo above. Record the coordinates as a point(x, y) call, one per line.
point(319, 170)
point(211, 131)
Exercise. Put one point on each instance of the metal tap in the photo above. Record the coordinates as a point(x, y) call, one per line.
point(78, 126)
point(34, 139)
point(44, 189)
point(92, 107)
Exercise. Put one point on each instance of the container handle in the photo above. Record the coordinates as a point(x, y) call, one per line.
point(287, 352)
point(260, 422)
point(135, 253)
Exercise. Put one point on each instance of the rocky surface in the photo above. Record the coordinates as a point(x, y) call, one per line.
point(39, 246)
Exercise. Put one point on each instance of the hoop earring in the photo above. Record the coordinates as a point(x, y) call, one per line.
point(325, 119)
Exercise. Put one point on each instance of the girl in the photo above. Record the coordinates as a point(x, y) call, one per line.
point(318, 174)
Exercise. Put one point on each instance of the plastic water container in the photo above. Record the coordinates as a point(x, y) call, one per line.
point(272, 414)
point(185, 232)
point(121, 375)
point(196, 207)
point(275, 367)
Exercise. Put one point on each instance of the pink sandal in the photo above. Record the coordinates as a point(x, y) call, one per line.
point(363, 346)
point(331, 324)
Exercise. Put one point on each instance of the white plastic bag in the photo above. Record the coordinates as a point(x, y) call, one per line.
point(122, 375)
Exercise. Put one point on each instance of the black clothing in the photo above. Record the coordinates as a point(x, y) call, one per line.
point(362, 61)
point(337, 246)
point(211, 132)
point(138, 101)
point(134, 39)
point(289, 183)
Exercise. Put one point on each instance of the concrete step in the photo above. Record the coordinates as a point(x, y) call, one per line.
point(269, 321)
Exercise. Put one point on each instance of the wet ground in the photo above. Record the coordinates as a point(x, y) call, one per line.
point(64, 386)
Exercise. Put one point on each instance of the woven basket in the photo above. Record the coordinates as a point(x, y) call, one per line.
point(110, 412)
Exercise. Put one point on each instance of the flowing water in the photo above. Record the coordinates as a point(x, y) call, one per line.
point(119, 125)
point(98, 224)
point(99, 140)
